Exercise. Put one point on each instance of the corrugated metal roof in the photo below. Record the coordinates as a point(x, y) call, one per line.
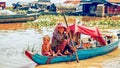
point(114, 1)
point(93, 0)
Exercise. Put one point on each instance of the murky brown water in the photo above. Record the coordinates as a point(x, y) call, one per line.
point(14, 39)
point(11, 26)
point(13, 44)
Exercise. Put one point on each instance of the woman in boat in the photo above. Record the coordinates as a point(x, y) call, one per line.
point(60, 41)
point(46, 48)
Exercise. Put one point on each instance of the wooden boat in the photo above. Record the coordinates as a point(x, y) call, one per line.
point(18, 18)
point(82, 54)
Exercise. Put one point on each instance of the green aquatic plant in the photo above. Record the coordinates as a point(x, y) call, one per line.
point(104, 23)
point(51, 20)
point(42, 21)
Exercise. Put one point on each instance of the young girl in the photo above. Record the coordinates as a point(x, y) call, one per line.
point(46, 48)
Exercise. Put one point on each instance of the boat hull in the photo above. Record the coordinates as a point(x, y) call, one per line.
point(18, 18)
point(82, 54)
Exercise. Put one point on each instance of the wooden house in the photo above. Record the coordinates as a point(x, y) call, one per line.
point(100, 7)
point(112, 7)
point(40, 4)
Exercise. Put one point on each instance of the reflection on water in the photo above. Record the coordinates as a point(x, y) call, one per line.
point(13, 44)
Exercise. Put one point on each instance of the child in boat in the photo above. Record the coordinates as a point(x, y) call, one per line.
point(60, 41)
point(46, 48)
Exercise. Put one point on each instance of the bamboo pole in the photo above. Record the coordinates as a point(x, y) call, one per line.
point(70, 35)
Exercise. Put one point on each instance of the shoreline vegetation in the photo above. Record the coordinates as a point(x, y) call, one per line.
point(52, 20)
point(49, 20)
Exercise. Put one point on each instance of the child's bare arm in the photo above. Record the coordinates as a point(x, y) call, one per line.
point(43, 48)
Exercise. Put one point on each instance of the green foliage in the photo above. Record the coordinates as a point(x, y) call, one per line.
point(104, 23)
point(17, 11)
point(43, 21)
point(20, 11)
point(9, 8)
point(51, 20)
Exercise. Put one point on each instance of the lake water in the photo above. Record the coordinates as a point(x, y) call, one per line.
point(14, 43)
point(113, 63)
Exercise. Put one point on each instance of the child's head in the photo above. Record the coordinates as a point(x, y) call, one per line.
point(46, 39)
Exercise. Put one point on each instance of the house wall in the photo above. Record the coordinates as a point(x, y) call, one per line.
point(113, 10)
point(100, 11)
point(2, 5)
point(111, 7)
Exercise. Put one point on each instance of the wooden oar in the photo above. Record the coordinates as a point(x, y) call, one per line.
point(70, 35)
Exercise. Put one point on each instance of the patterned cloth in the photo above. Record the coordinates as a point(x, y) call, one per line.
point(59, 40)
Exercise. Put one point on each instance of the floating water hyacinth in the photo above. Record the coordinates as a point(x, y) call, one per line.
point(51, 20)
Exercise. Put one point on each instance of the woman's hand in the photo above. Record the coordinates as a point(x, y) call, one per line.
point(61, 41)
point(67, 30)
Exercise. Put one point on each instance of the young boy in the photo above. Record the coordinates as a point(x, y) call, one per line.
point(46, 48)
